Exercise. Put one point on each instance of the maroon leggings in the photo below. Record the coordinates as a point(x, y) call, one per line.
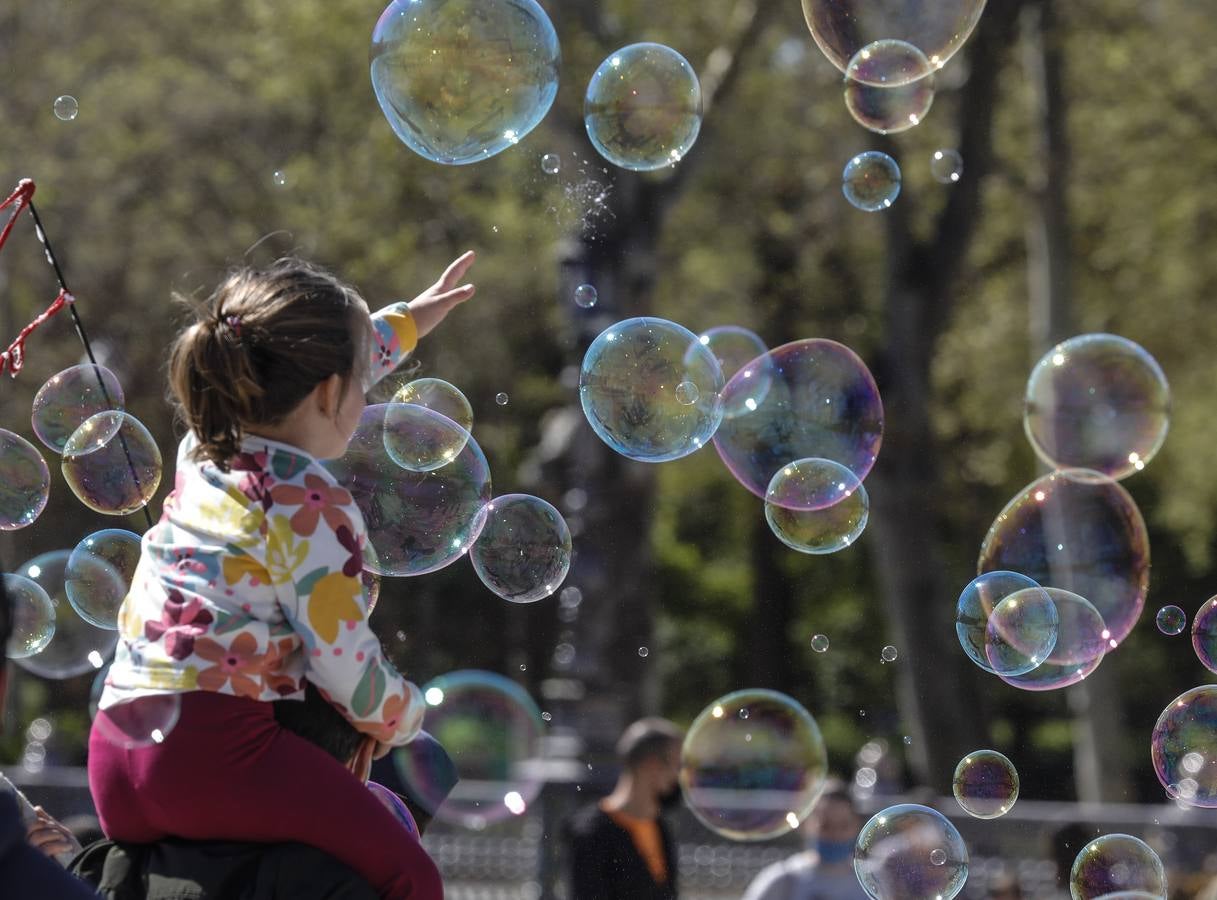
point(228, 771)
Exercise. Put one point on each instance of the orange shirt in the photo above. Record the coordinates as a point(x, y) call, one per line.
point(645, 835)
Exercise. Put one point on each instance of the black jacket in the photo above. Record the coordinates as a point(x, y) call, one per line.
point(605, 865)
point(25, 874)
point(216, 870)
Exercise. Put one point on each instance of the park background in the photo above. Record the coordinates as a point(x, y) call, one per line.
point(217, 132)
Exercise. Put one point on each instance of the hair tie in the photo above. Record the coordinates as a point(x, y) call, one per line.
point(234, 323)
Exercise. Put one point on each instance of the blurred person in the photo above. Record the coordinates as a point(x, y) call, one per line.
point(1064, 846)
point(825, 870)
point(1004, 885)
point(620, 848)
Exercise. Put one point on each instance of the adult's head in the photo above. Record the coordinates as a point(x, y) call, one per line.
point(833, 826)
point(649, 751)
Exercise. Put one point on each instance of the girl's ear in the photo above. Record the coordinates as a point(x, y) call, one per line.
point(328, 395)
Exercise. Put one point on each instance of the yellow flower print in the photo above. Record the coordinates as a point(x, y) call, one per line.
point(285, 553)
point(170, 679)
point(237, 567)
point(228, 514)
point(333, 602)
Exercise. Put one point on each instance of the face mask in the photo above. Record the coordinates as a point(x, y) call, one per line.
point(834, 851)
point(670, 799)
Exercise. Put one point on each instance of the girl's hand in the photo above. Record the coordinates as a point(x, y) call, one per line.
point(430, 307)
point(50, 836)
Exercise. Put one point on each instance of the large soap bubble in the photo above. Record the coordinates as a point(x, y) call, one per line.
point(1117, 865)
point(753, 765)
point(112, 463)
point(816, 506)
point(417, 522)
point(910, 852)
point(734, 348)
point(1082, 640)
point(1204, 635)
point(462, 80)
point(69, 398)
point(843, 27)
point(816, 399)
point(1080, 531)
point(985, 784)
point(643, 107)
point(523, 552)
point(25, 482)
point(889, 87)
point(976, 605)
point(1184, 747)
point(1098, 402)
point(77, 647)
point(33, 616)
point(650, 390)
point(491, 729)
point(99, 574)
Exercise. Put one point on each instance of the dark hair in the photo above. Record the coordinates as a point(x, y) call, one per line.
point(317, 721)
point(261, 343)
point(6, 622)
point(647, 738)
point(836, 790)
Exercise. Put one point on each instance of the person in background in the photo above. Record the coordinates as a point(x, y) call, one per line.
point(1004, 886)
point(620, 848)
point(825, 870)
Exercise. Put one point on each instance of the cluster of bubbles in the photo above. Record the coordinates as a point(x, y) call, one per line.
point(459, 81)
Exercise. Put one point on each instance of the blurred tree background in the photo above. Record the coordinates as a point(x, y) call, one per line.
point(225, 131)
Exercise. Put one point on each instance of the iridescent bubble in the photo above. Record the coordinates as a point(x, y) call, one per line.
point(462, 80)
point(687, 393)
point(985, 784)
point(817, 400)
point(25, 482)
point(946, 165)
point(424, 443)
point(871, 181)
point(1098, 402)
point(33, 616)
point(99, 573)
point(66, 108)
point(976, 604)
point(1082, 640)
point(1022, 632)
point(894, 857)
point(643, 107)
point(843, 27)
point(1117, 865)
point(753, 765)
point(112, 463)
point(889, 87)
point(628, 384)
point(396, 806)
point(501, 398)
point(77, 647)
point(142, 722)
point(888, 654)
point(735, 348)
point(1184, 747)
point(1076, 530)
point(551, 164)
point(491, 729)
point(586, 296)
point(523, 552)
point(69, 398)
point(418, 522)
point(816, 506)
point(1171, 620)
point(279, 178)
point(819, 643)
point(1204, 635)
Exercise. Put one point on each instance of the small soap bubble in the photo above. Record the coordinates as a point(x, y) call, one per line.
point(501, 398)
point(871, 181)
point(985, 784)
point(546, 717)
point(946, 166)
point(816, 506)
point(888, 654)
point(33, 616)
point(523, 552)
point(551, 163)
point(819, 643)
point(112, 463)
point(938, 857)
point(66, 108)
point(99, 573)
point(1171, 620)
point(586, 296)
point(889, 86)
point(687, 393)
point(897, 855)
point(279, 178)
point(1117, 865)
point(25, 482)
point(644, 652)
point(424, 442)
point(70, 397)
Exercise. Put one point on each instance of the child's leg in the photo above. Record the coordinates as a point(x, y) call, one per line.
point(227, 771)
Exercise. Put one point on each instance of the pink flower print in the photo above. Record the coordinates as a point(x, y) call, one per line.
point(353, 545)
point(181, 622)
point(317, 500)
point(257, 481)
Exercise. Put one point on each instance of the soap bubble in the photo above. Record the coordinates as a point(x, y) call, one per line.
point(1076, 530)
point(889, 87)
point(817, 400)
point(888, 654)
point(279, 178)
point(140, 722)
point(1098, 402)
point(33, 616)
point(985, 784)
point(1082, 640)
point(523, 552)
point(843, 27)
point(976, 604)
point(871, 181)
point(946, 166)
point(1204, 635)
point(417, 522)
point(643, 107)
point(628, 388)
point(735, 348)
point(1022, 632)
point(77, 647)
point(1184, 747)
point(396, 806)
point(501, 398)
point(819, 643)
point(69, 398)
point(1171, 620)
point(551, 163)
point(816, 506)
point(687, 393)
point(66, 108)
point(421, 442)
point(112, 463)
point(491, 729)
point(753, 765)
point(1117, 865)
point(462, 80)
point(25, 482)
point(895, 857)
point(586, 296)
point(99, 573)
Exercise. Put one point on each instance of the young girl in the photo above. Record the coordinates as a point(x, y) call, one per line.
point(250, 583)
